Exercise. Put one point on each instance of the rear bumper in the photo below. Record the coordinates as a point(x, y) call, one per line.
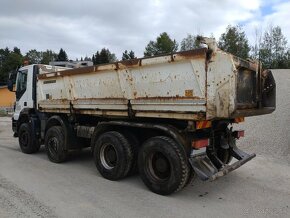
point(206, 170)
point(253, 112)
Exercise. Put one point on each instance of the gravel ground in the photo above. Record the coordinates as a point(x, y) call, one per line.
point(269, 135)
point(31, 186)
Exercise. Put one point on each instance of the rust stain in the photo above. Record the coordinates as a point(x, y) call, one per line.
point(129, 63)
point(188, 93)
point(178, 56)
point(196, 53)
point(177, 97)
point(245, 63)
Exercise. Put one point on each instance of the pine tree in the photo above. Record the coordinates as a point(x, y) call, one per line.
point(189, 43)
point(235, 41)
point(163, 44)
point(104, 56)
point(9, 60)
point(62, 56)
point(128, 55)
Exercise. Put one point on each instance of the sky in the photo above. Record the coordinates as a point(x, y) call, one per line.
point(83, 27)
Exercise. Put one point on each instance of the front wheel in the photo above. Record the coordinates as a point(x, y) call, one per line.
point(163, 165)
point(27, 142)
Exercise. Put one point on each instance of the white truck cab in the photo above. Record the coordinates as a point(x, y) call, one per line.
point(24, 90)
point(25, 86)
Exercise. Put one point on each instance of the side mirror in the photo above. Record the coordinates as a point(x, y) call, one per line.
point(11, 81)
point(10, 86)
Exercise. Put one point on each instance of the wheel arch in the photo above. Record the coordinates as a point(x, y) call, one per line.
point(57, 120)
point(24, 117)
point(166, 130)
point(29, 116)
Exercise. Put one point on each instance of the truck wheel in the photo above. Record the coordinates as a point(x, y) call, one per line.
point(55, 144)
point(28, 143)
point(113, 155)
point(135, 145)
point(163, 165)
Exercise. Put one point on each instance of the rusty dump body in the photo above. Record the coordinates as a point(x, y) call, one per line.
point(201, 84)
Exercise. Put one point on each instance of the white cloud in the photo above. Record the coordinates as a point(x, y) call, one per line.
point(82, 29)
point(279, 15)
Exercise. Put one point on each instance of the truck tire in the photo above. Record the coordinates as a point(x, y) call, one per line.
point(135, 145)
point(163, 165)
point(55, 144)
point(27, 142)
point(113, 155)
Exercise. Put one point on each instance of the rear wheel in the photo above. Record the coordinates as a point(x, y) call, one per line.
point(113, 155)
point(55, 144)
point(27, 142)
point(135, 145)
point(163, 165)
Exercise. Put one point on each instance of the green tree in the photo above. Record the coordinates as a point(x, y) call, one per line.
point(288, 59)
point(235, 41)
point(34, 56)
point(273, 48)
point(87, 59)
point(16, 51)
point(128, 55)
point(103, 57)
point(189, 42)
point(94, 59)
point(163, 44)
point(3, 56)
point(10, 60)
point(62, 56)
point(48, 56)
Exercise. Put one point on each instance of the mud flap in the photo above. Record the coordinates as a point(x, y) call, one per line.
point(206, 170)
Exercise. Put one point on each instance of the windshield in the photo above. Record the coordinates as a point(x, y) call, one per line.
point(21, 83)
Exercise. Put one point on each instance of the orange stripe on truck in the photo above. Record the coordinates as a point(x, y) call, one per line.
point(239, 119)
point(203, 124)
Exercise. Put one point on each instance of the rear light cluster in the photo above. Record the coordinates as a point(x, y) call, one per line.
point(239, 120)
point(201, 143)
point(239, 133)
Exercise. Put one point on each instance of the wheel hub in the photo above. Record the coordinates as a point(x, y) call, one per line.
point(108, 156)
point(53, 145)
point(159, 166)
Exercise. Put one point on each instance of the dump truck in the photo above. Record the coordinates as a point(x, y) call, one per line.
point(168, 117)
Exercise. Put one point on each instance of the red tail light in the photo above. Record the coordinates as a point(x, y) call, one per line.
point(238, 134)
point(200, 143)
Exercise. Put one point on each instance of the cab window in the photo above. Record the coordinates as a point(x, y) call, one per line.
point(21, 83)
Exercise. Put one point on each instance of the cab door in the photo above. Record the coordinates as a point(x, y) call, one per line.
point(23, 91)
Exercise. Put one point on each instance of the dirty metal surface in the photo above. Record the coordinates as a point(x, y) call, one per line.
point(165, 86)
point(221, 86)
point(246, 88)
point(179, 86)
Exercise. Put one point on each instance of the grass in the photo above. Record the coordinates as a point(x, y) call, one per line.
point(3, 113)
